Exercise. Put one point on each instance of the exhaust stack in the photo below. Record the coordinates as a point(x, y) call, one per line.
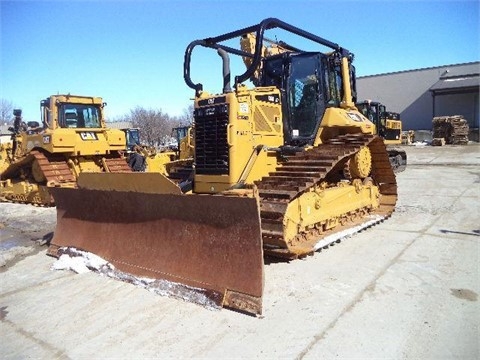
point(226, 70)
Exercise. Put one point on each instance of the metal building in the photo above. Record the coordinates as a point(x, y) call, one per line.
point(419, 95)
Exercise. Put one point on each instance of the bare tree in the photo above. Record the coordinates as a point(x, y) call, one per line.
point(6, 111)
point(155, 125)
point(187, 116)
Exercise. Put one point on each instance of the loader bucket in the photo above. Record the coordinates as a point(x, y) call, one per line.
point(206, 242)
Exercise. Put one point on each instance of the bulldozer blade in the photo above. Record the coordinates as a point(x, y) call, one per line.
point(134, 181)
point(206, 242)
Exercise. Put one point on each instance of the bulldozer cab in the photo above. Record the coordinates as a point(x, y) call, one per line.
point(132, 137)
point(299, 75)
point(180, 132)
point(185, 141)
point(69, 111)
point(372, 110)
point(388, 123)
point(310, 82)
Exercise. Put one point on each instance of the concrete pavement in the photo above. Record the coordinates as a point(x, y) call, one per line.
point(404, 289)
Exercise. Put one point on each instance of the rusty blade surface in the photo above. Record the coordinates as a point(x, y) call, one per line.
point(203, 241)
point(134, 181)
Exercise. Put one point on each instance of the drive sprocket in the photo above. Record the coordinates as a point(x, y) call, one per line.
point(359, 165)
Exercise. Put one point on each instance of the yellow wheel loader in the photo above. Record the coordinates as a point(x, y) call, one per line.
point(72, 139)
point(281, 169)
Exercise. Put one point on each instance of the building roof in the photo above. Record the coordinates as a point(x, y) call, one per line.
point(4, 130)
point(458, 78)
point(456, 83)
point(119, 124)
point(5, 135)
point(453, 69)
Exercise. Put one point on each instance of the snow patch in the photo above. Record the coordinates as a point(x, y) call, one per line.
point(81, 262)
point(327, 240)
point(420, 143)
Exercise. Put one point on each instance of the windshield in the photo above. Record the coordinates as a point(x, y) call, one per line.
point(333, 81)
point(133, 138)
point(302, 95)
point(181, 133)
point(79, 116)
point(369, 110)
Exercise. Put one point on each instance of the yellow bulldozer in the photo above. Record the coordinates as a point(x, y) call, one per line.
point(6, 149)
point(141, 157)
point(282, 169)
point(389, 127)
point(174, 162)
point(185, 141)
point(72, 139)
point(181, 169)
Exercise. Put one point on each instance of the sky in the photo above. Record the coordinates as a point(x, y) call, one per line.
point(131, 53)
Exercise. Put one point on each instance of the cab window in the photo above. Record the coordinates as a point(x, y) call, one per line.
point(79, 116)
point(302, 95)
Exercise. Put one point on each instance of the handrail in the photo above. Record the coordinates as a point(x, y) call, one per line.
point(259, 29)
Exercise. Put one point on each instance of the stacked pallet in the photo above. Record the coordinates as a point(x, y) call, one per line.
point(454, 129)
point(438, 141)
